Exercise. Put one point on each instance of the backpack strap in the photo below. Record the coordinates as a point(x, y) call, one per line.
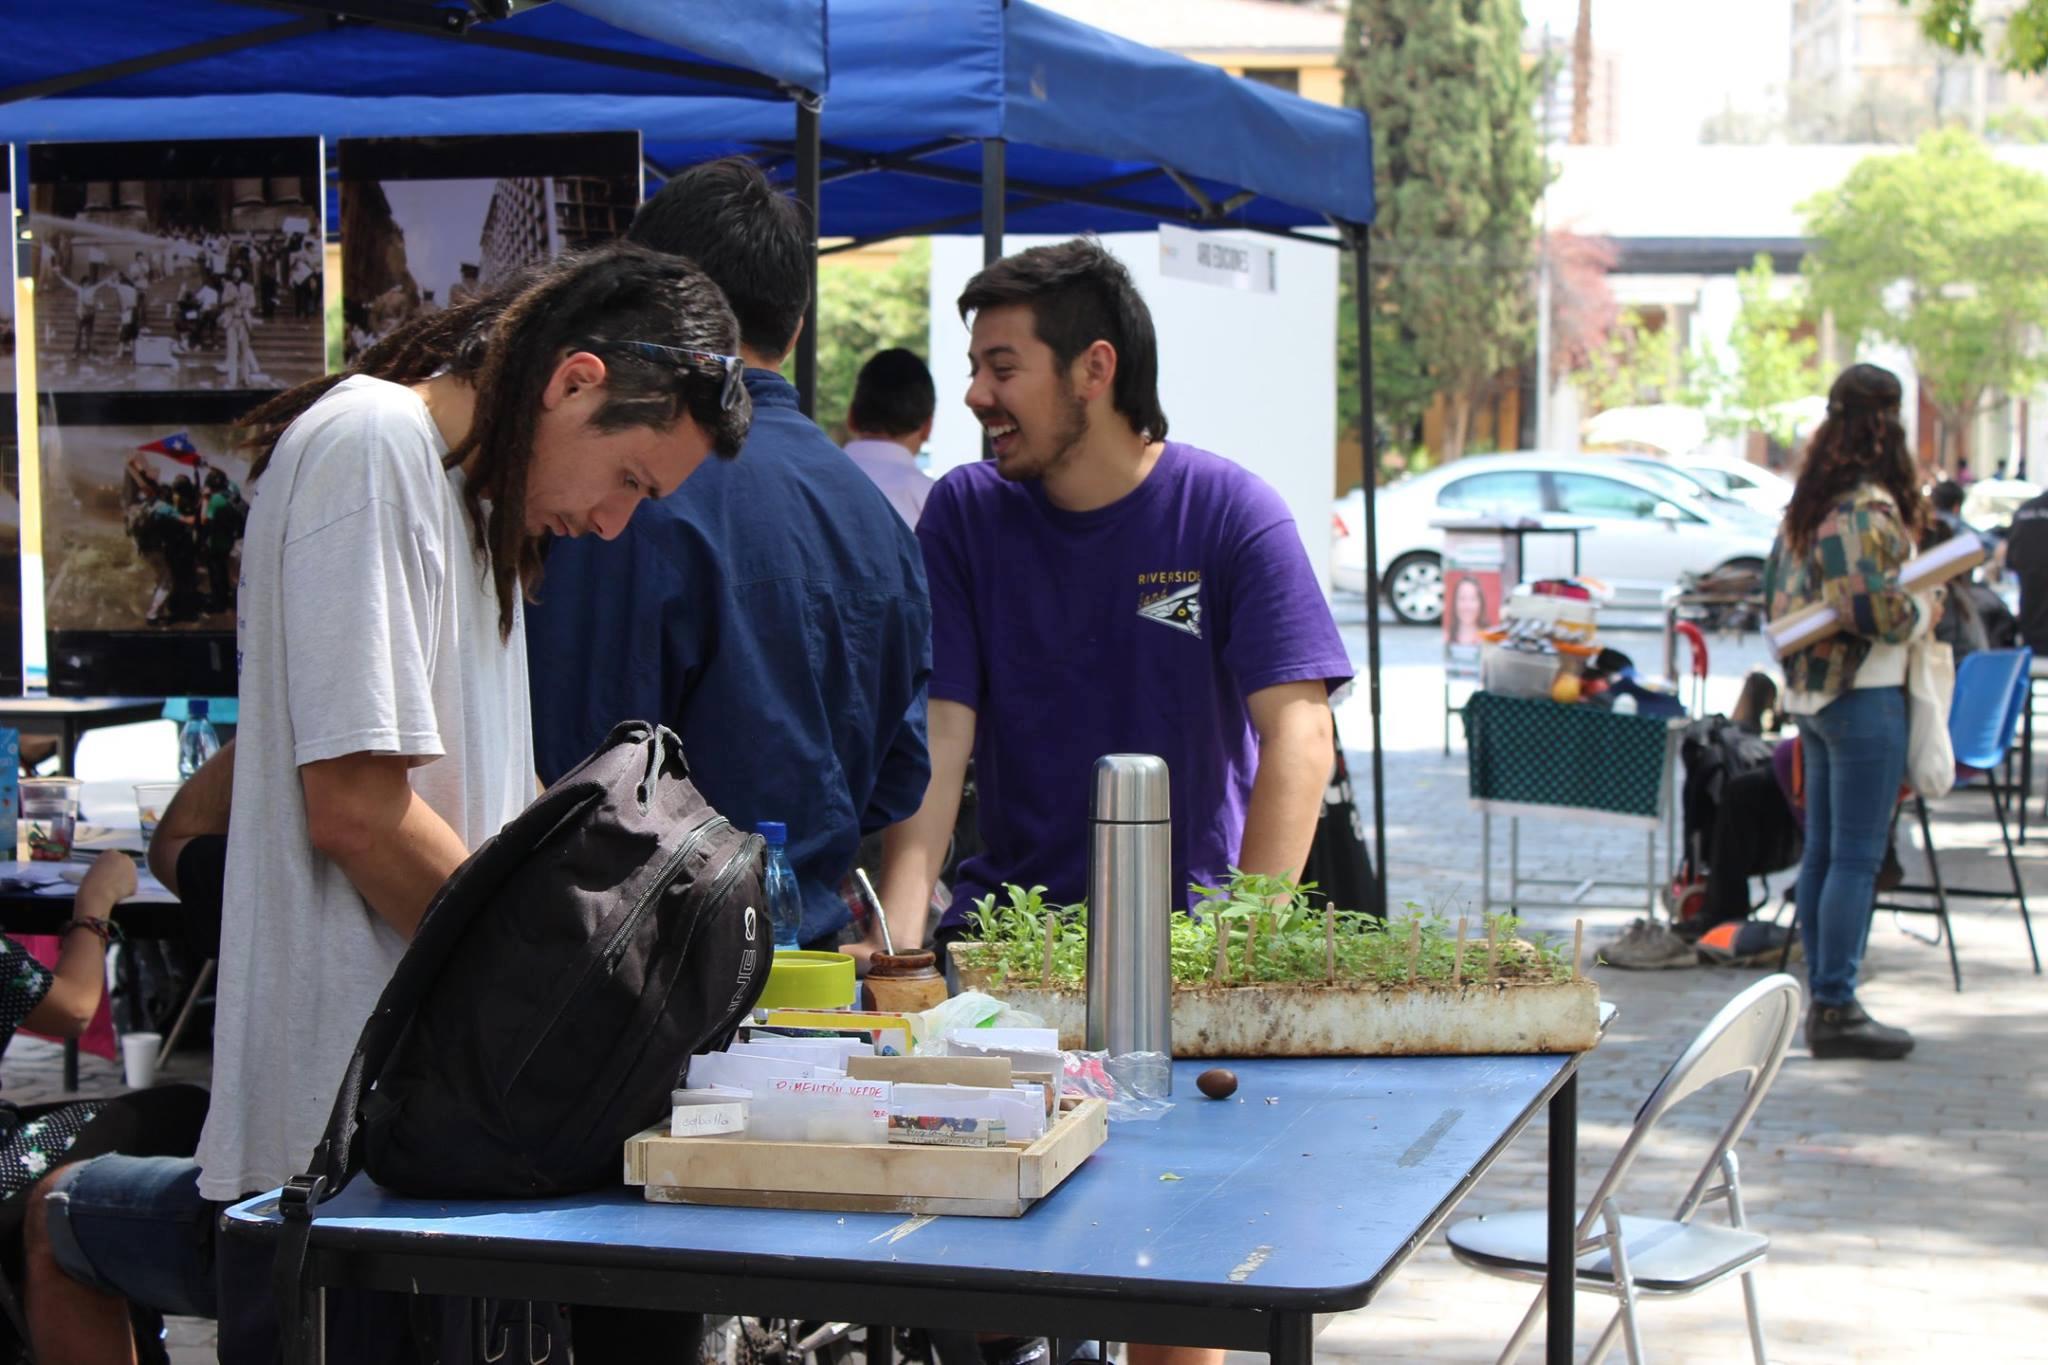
point(337, 1159)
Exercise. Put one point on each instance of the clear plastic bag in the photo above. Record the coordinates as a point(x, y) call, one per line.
point(969, 1009)
point(1136, 1084)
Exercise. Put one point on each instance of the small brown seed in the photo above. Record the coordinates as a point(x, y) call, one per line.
point(1218, 1083)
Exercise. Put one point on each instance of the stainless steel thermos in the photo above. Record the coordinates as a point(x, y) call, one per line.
point(1130, 907)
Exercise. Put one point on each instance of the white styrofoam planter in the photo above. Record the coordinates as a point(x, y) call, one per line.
point(1347, 1019)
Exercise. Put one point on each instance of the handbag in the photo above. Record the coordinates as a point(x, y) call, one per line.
point(1930, 683)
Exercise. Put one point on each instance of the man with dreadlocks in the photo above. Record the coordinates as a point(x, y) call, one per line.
point(396, 524)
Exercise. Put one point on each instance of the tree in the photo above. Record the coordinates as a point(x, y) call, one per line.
point(862, 310)
point(1457, 174)
point(1770, 362)
point(1943, 251)
point(1954, 25)
point(1633, 362)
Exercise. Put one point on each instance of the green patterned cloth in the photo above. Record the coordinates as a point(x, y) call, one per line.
point(1542, 753)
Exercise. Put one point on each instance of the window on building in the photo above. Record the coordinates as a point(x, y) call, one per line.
point(1286, 78)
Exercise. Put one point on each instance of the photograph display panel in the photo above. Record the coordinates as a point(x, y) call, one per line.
point(177, 267)
point(10, 456)
point(432, 223)
point(178, 285)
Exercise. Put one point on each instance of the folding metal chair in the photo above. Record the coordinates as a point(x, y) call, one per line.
point(1992, 693)
point(1632, 1257)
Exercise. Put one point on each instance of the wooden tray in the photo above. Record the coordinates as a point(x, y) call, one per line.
point(986, 1182)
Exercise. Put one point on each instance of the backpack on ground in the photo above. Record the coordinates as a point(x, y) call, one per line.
point(1713, 750)
point(553, 995)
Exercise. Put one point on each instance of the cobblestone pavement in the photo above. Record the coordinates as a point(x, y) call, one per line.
point(1902, 1199)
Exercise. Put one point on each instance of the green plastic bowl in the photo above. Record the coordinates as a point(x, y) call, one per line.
point(809, 981)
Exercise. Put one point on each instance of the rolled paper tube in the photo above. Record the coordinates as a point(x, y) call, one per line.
point(1052, 933)
point(1490, 948)
point(1222, 949)
point(1414, 945)
point(1251, 948)
point(1578, 942)
point(1329, 943)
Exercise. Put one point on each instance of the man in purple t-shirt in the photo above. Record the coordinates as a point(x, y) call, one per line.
point(1099, 589)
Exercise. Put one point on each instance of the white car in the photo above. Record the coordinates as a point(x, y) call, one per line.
point(1643, 534)
point(1766, 490)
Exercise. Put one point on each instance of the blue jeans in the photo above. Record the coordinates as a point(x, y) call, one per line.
point(1854, 750)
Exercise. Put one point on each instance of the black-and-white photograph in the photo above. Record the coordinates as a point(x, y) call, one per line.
point(177, 266)
point(431, 223)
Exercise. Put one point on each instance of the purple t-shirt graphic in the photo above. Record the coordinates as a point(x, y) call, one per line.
point(1140, 627)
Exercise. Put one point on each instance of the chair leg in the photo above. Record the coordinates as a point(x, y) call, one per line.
point(2019, 889)
point(1513, 1350)
point(1756, 1318)
point(1605, 1341)
point(1948, 932)
point(1624, 1285)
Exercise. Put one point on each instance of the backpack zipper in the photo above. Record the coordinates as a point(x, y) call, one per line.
point(616, 946)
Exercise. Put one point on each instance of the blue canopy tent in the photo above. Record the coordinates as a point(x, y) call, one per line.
point(121, 70)
point(992, 116)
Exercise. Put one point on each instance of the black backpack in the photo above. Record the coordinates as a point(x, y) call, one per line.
point(1713, 750)
point(553, 995)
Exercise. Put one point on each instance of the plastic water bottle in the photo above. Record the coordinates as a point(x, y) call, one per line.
point(198, 741)
point(785, 906)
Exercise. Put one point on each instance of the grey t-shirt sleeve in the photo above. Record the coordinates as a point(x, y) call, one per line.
point(359, 641)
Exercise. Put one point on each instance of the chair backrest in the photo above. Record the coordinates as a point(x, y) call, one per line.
point(1990, 697)
point(1749, 1036)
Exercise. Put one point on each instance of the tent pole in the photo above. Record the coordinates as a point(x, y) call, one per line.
point(807, 166)
point(994, 192)
point(1361, 295)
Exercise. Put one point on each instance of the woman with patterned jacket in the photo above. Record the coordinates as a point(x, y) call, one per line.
point(67, 1321)
point(1853, 519)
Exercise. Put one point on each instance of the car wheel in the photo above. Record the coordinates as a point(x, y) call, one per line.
point(1415, 589)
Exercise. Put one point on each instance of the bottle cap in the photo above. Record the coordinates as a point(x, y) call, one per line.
point(774, 831)
point(196, 709)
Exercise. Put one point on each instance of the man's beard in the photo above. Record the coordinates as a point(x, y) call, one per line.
point(1073, 429)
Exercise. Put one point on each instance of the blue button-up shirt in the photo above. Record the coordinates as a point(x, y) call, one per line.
point(772, 612)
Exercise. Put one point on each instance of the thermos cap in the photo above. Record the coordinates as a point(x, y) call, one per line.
point(1130, 789)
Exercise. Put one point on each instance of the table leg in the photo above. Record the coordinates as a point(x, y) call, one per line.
point(2026, 758)
point(1294, 1339)
point(882, 1345)
point(67, 748)
point(1563, 1241)
point(1485, 864)
point(70, 1066)
point(1514, 864)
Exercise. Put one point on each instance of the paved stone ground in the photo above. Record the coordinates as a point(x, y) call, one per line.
point(1903, 1199)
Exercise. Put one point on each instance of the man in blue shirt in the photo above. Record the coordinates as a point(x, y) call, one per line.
point(772, 610)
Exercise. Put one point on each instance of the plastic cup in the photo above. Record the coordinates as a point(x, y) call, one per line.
point(49, 817)
point(152, 799)
point(138, 1058)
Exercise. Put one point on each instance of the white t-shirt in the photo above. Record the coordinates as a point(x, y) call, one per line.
point(367, 624)
point(894, 470)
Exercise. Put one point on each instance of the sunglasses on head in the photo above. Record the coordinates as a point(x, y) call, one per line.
point(730, 367)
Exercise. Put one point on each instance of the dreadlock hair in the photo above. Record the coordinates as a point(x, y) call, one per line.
point(507, 346)
point(1860, 441)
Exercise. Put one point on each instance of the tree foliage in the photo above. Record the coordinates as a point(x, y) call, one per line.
point(1633, 362)
point(1957, 26)
point(862, 310)
point(1943, 251)
point(1769, 362)
point(1457, 174)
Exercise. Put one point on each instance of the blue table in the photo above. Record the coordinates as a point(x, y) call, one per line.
point(1303, 1194)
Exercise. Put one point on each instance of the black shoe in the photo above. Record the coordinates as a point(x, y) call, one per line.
point(1846, 1031)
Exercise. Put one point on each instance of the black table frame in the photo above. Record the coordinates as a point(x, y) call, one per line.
point(881, 1293)
point(76, 718)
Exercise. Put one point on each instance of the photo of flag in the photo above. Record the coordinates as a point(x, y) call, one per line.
point(176, 446)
